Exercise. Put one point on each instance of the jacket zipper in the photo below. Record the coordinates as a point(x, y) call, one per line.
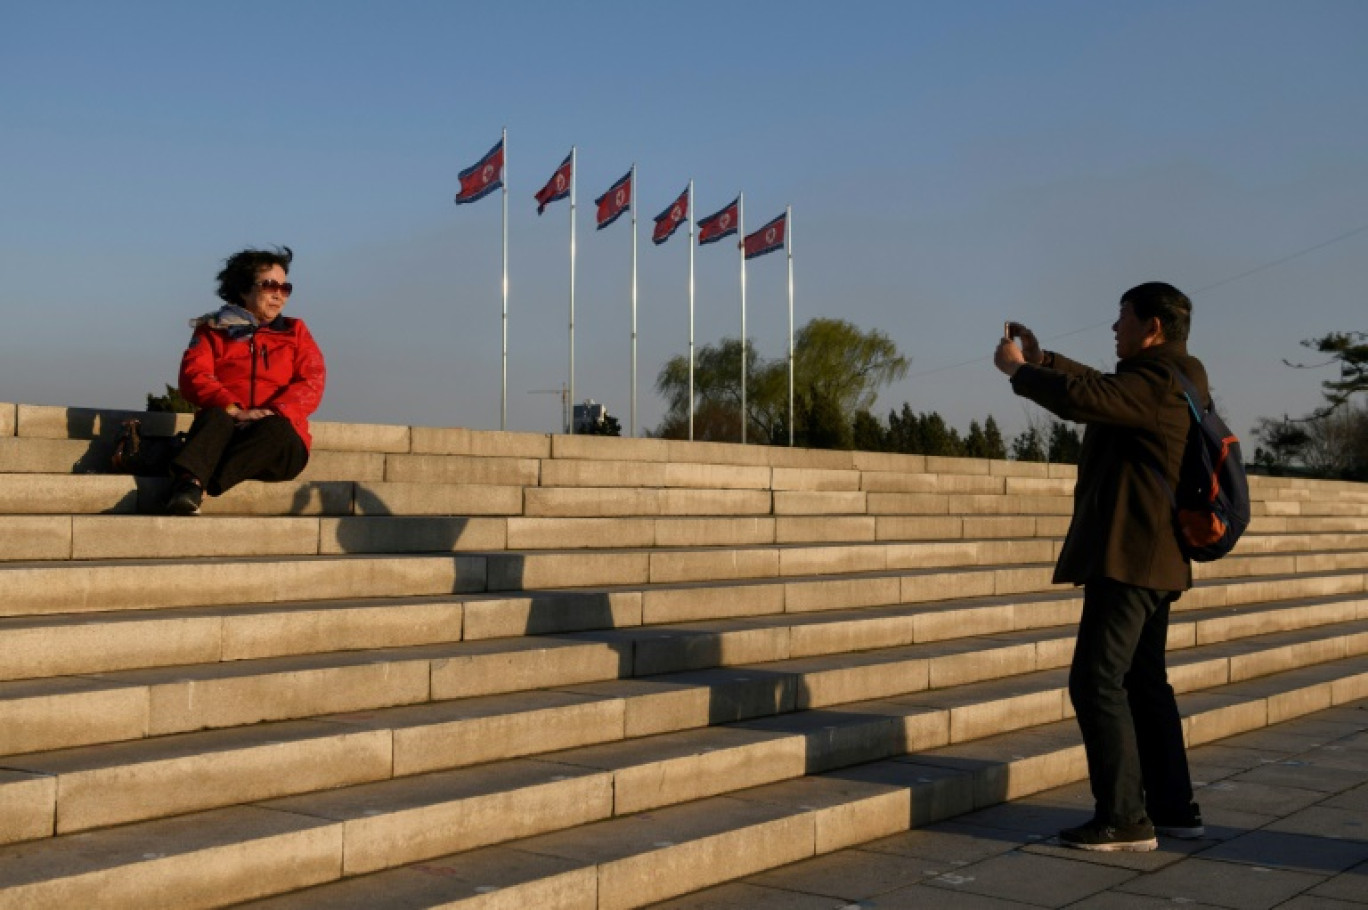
point(251, 384)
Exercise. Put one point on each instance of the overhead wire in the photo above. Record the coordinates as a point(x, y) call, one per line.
point(1202, 290)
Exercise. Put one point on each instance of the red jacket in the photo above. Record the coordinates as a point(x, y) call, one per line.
point(279, 366)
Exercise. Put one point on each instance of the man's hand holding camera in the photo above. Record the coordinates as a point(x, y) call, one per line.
point(1010, 355)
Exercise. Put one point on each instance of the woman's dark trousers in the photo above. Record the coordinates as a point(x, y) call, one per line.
point(221, 452)
point(1125, 706)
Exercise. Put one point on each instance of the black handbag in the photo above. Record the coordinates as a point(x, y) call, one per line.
point(142, 455)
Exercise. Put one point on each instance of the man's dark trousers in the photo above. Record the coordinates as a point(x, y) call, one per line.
point(1125, 706)
point(222, 453)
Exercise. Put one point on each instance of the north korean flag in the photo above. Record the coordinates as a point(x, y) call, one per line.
point(768, 239)
point(557, 188)
point(483, 177)
point(668, 221)
point(721, 223)
point(613, 203)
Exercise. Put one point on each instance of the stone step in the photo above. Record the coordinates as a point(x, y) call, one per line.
point(39, 587)
point(341, 483)
point(83, 537)
point(36, 537)
point(25, 455)
point(94, 537)
point(991, 566)
point(27, 422)
point(632, 861)
point(37, 455)
point(64, 423)
point(115, 784)
point(98, 586)
point(564, 811)
point(62, 712)
point(797, 615)
point(676, 648)
point(139, 780)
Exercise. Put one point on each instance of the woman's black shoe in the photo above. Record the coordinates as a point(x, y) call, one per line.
point(186, 496)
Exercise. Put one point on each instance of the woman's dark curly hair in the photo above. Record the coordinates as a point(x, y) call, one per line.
point(240, 271)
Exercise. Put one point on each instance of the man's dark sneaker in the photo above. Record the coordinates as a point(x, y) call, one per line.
point(186, 496)
point(1103, 837)
point(1186, 824)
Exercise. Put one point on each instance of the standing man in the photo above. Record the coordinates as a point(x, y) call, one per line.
point(1123, 549)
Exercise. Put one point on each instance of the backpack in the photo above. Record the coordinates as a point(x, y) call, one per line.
point(1211, 503)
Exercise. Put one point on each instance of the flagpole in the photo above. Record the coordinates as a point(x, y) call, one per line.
point(741, 229)
point(691, 310)
point(503, 400)
point(788, 245)
point(634, 298)
point(573, 168)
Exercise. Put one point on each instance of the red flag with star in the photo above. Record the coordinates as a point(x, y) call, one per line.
point(557, 188)
point(722, 223)
point(613, 203)
point(483, 177)
point(668, 221)
point(768, 239)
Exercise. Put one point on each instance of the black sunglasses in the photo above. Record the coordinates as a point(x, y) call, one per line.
point(270, 284)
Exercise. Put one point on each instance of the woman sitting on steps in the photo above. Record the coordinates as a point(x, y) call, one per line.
point(255, 377)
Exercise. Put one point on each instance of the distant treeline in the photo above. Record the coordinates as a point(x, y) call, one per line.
point(927, 433)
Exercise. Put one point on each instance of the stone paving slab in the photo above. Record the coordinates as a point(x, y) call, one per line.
point(462, 441)
point(39, 589)
point(1347, 886)
point(1033, 878)
point(851, 875)
point(655, 856)
point(1224, 884)
point(359, 437)
point(720, 453)
point(65, 494)
point(67, 711)
point(21, 455)
point(110, 785)
point(417, 818)
point(1355, 800)
point(754, 897)
point(325, 465)
point(198, 861)
point(1329, 822)
point(167, 537)
point(491, 878)
point(1304, 775)
point(29, 802)
point(35, 537)
point(608, 448)
point(462, 469)
point(53, 422)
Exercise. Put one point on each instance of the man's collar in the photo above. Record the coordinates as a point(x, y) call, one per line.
point(1163, 349)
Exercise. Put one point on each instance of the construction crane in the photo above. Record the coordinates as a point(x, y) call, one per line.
point(564, 393)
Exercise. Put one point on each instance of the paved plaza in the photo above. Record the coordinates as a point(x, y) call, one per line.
point(1286, 812)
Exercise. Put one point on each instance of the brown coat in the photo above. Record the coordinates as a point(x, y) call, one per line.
point(1122, 524)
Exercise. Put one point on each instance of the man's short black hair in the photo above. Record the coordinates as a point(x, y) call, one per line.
point(1155, 299)
point(240, 271)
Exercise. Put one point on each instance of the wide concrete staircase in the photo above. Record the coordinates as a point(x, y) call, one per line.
point(494, 670)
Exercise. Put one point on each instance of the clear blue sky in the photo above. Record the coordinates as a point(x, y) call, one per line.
point(950, 165)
